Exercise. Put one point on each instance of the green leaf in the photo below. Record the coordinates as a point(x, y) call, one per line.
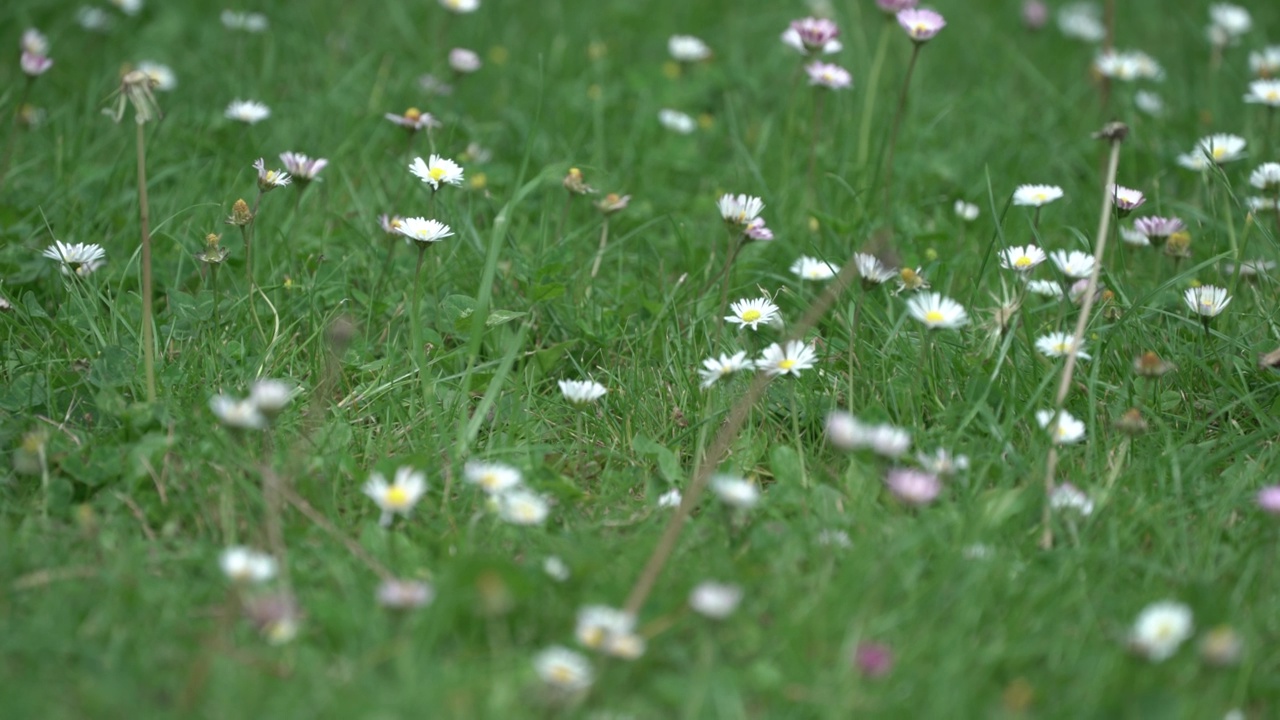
point(502, 317)
point(668, 463)
point(455, 311)
point(786, 466)
point(114, 367)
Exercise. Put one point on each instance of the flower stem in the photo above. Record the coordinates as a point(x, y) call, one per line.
point(897, 123)
point(415, 310)
point(813, 142)
point(604, 240)
point(869, 101)
point(148, 341)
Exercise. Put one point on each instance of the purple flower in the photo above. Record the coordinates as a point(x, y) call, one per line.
point(874, 660)
point(828, 75)
point(1269, 499)
point(35, 64)
point(1126, 199)
point(301, 167)
point(1158, 229)
point(893, 7)
point(756, 230)
point(921, 25)
point(913, 487)
point(1034, 14)
point(813, 35)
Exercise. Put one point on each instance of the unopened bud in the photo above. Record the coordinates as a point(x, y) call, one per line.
point(240, 214)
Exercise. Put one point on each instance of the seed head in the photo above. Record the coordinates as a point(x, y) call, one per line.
point(240, 214)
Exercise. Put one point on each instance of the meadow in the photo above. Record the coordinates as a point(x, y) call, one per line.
point(624, 360)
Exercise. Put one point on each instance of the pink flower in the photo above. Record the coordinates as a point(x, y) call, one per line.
point(463, 60)
point(873, 660)
point(1158, 228)
point(756, 230)
point(921, 25)
point(1126, 199)
point(301, 167)
point(1034, 14)
point(893, 7)
point(913, 487)
point(813, 35)
point(1269, 499)
point(828, 75)
point(34, 64)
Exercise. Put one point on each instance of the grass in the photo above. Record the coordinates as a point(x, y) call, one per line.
point(115, 510)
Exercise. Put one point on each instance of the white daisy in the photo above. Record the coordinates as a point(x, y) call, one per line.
point(563, 669)
point(437, 171)
point(271, 396)
point(1065, 431)
point(1036, 195)
point(1265, 62)
point(1266, 176)
point(581, 392)
point(34, 42)
point(811, 268)
point(1058, 344)
point(871, 270)
point(1135, 237)
point(422, 230)
point(1021, 259)
point(269, 179)
point(1264, 92)
point(523, 507)
point(247, 111)
point(942, 462)
point(966, 211)
point(555, 568)
point(461, 7)
point(1232, 20)
point(849, 433)
point(1069, 497)
point(237, 414)
point(670, 499)
point(788, 360)
point(1082, 21)
point(687, 48)
point(936, 311)
point(398, 497)
point(735, 491)
point(1075, 264)
point(1160, 628)
point(1222, 147)
point(676, 121)
point(740, 210)
point(1045, 288)
point(464, 61)
point(493, 478)
point(750, 313)
point(162, 77)
point(245, 566)
point(714, 369)
point(1207, 301)
point(715, 600)
point(596, 624)
point(80, 259)
point(1149, 103)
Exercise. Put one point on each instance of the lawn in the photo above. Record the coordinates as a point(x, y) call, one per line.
point(911, 499)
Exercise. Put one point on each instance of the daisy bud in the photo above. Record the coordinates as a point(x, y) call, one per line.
point(1131, 422)
point(240, 214)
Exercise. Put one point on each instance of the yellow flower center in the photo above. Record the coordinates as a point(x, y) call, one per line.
point(592, 637)
point(786, 364)
point(1273, 96)
point(436, 173)
point(750, 316)
point(933, 317)
point(397, 497)
point(1219, 152)
point(561, 675)
point(412, 114)
point(1041, 197)
point(1206, 304)
point(1022, 262)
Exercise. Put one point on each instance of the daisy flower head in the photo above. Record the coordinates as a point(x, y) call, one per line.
point(414, 120)
point(1195, 161)
point(390, 224)
point(1082, 21)
point(93, 19)
point(676, 121)
point(893, 7)
point(966, 211)
point(872, 271)
point(1266, 177)
point(913, 487)
point(750, 313)
point(1066, 429)
point(271, 396)
point(670, 499)
point(1149, 103)
point(714, 369)
point(493, 478)
point(1069, 497)
point(395, 594)
point(911, 280)
point(920, 25)
point(437, 171)
point(936, 311)
point(687, 49)
point(757, 230)
point(79, 259)
point(247, 111)
point(1157, 229)
point(1265, 63)
point(1160, 628)
point(740, 210)
point(811, 268)
point(735, 491)
point(35, 65)
point(245, 21)
point(397, 497)
point(1269, 499)
point(813, 36)
point(612, 203)
point(34, 42)
point(597, 623)
point(1232, 20)
point(303, 169)
point(1045, 288)
point(555, 568)
point(1128, 65)
point(1207, 301)
point(828, 75)
point(237, 414)
point(1021, 259)
point(464, 61)
point(715, 600)
point(942, 462)
point(246, 566)
point(269, 179)
point(582, 392)
point(423, 230)
point(1126, 199)
point(787, 360)
point(1074, 264)
point(563, 669)
point(849, 433)
point(461, 7)
point(1264, 92)
point(1036, 195)
point(1058, 344)
point(1262, 204)
point(128, 7)
point(1222, 148)
point(523, 507)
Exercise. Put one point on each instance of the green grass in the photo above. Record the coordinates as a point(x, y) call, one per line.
point(111, 600)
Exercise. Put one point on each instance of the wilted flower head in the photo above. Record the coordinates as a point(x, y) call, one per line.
point(302, 168)
point(574, 183)
point(1149, 364)
point(135, 90)
point(813, 36)
point(715, 600)
point(162, 77)
point(612, 203)
point(241, 215)
point(1160, 628)
point(397, 497)
point(687, 49)
point(79, 259)
point(828, 75)
point(581, 392)
point(413, 120)
point(921, 25)
point(913, 487)
point(213, 252)
point(247, 111)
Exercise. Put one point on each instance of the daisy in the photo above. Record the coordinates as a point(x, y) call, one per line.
point(740, 210)
point(1036, 195)
point(687, 49)
point(1195, 161)
point(414, 120)
point(493, 478)
point(756, 230)
point(1158, 229)
point(848, 433)
point(563, 669)
point(676, 121)
point(1045, 288)
point(1265, 62)
point(1262, 204)
point(271, 396)
point(1058, 344)
point(1264, 92)
point(460, 6)
point(1266, 177)
point(247, 111)
point(1268, 499)
point(789, 360)
point(422, 230)
point(1149, 103)
point(237, 414)
point(396, 594)
point(1160, 628)
point(437, 171)
point(1222, 148)
point(303, 169)
point(735, 491)
point(1075, 264)
point(714, 369)
point(390, 224)
point(162, 77)
point(1069, 497)
point(913, 487)
point(911, 280)
point(811, 268)
point(269, 179)
point(1066, 430)
point(80, 259)
point(752, 312)
point(1207, 301)
point(581, 392)
point(128, 7)
point(1126, 199)
point(828, 75)
point(523, 507)
point(921, 25)
point(893, 7)
point(715, 600)
point(464, 61)
point(399, 497)
point(942, 462)
point(34, 42)
point(596, 623)
point(1232, 20)
point(813, 36)
point(1021, 259)
point(35, 65)
point(612, 203)
point(871, 270)
point(966, 211)
point(670, 499)
point(245, 566)
point(1082, 21)
point(1128, 66)
point(555, 568)
point(936, 311)
point(93, 19)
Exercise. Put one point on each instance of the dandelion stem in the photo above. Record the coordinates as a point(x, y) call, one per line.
point(1086, 305)
point(897, 122)
point(869, 101)
point(148, 340)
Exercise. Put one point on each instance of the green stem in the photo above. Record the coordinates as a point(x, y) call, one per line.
point(148, 340)
point(869, 101)
point(13, 135)
point(897, 123)
point(795, 432)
